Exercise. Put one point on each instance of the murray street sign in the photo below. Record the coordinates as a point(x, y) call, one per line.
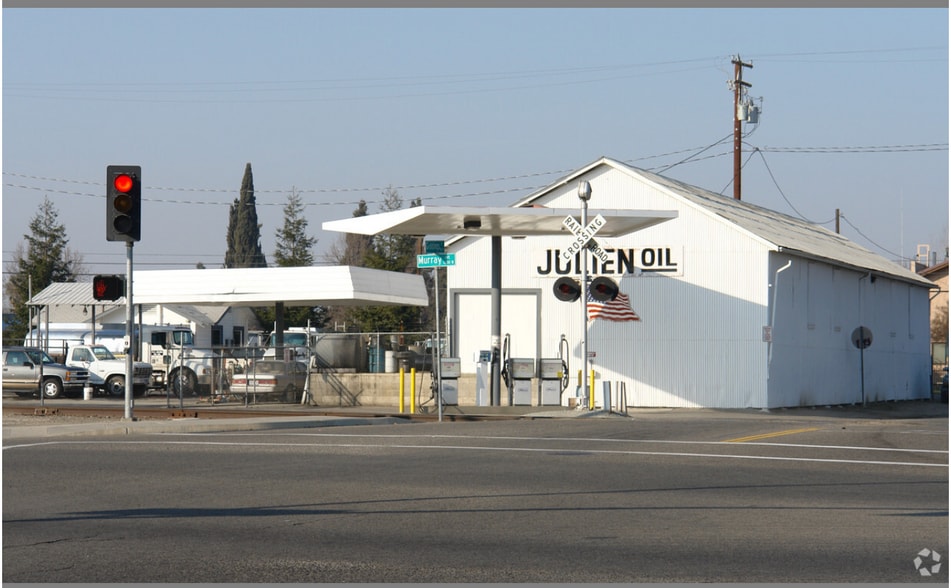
point(435, 260)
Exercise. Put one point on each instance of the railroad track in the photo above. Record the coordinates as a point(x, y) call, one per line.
point(226, 412)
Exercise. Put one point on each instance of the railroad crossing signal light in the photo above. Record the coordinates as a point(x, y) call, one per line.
point(108, 287)
point(567, 289)
point(123, 203)
point(603, 289)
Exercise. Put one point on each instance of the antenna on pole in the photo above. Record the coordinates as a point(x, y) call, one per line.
point(743, 110)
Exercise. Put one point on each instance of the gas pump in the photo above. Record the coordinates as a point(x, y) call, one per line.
point(553, 376)
point(518, 374)
point(449, 380)
point(521, 370)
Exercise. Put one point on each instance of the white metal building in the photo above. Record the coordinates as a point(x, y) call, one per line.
point(737, 306)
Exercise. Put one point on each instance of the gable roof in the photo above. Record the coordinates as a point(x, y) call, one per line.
point(781, 232)
point(296, 286)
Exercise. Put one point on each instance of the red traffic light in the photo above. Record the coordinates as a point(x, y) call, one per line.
point(123, 183)
point(123, 203)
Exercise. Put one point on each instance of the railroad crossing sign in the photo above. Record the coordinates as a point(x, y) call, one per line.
point(435, 260)
point(584, 237)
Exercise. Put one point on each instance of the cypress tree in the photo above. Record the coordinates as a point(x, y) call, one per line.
point(244, 231)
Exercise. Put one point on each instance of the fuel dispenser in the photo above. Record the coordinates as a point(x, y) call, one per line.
point(553, 376)
point(449, 380)
point(521, 370)
point(517, 374)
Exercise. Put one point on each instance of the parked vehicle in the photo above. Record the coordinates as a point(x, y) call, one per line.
point(298, 341)
point(269, 377)
point(21, 373)
point(169, 348)
point(176, 360)
point(107, 372)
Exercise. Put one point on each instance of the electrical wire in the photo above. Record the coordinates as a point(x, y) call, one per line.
point(686, 159)
point(857, 230)
point(775, 183)
point(696, 151)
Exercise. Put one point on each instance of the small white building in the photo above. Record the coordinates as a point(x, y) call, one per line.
point(735, 306)
point(71, 303)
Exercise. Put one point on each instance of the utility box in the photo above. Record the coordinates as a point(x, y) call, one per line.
point(483, 374)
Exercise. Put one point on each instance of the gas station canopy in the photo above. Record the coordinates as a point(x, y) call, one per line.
point(294, 286)
point(497, 222)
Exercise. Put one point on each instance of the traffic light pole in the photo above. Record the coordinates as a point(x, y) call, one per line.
point(128, 331)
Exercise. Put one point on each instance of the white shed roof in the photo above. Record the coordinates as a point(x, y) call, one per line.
point(295, 286)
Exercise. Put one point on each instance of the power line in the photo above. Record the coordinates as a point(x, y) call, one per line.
point(857, 230)
point(873, 149)
point(775, 183)
point(689, 158)
point(435, 185)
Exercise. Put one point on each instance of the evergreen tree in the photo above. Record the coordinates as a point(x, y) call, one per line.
point(45, 259)
point(244, 231)
point(294, 246)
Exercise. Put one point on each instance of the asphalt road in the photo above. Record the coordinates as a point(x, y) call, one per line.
point(658, 498)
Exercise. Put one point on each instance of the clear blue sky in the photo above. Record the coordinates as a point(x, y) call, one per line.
point(463, 107)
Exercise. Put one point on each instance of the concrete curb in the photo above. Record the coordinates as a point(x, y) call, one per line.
point(188, 425)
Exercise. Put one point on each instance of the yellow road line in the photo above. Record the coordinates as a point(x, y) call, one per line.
point(768, 435)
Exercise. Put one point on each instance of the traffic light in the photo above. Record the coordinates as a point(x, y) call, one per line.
point(603, 289)
point(108, 287)
point(123, 202)
point(567, 289)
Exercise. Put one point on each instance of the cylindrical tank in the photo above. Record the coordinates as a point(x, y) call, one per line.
point(342, 351)
point(391, 365)
point(377, 358)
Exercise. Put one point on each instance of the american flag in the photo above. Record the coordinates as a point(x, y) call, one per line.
point(618, 309)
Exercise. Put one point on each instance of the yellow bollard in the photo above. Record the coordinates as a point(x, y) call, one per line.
point(412, 394)
point(402, 404)
point(591, 392)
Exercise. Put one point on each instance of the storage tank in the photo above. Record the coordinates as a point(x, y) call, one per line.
point(341, 351)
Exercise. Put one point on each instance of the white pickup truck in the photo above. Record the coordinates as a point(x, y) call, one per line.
point(107, 372)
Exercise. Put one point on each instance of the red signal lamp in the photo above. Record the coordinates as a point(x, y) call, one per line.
point(123, 183)
point(108, 287)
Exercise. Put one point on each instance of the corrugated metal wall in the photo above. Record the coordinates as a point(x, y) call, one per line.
point(709, 334)
point(699, 341)
point(814, 360)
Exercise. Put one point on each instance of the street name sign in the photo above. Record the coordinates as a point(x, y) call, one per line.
point(435, 246)
point(435, 260)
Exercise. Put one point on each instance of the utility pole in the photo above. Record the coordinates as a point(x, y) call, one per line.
point(837, 215)
point(739, 91)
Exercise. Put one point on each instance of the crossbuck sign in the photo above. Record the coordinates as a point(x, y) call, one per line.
point(584, 237)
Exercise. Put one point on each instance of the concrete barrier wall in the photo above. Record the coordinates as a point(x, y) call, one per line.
point(344, 390)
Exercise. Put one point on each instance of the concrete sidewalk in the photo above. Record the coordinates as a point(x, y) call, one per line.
point(40, 427)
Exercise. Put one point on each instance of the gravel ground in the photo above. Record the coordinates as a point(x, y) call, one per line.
point(13, 420)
